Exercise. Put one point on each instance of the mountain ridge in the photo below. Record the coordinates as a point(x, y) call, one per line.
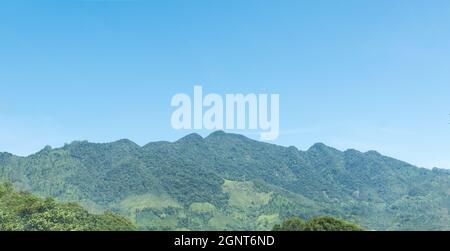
point(198, 137)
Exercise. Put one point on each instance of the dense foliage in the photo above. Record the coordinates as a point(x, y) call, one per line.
point(323, 223)
point(21, 211)
point(229, 182)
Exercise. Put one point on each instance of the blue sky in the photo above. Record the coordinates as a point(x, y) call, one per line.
point(352, 74)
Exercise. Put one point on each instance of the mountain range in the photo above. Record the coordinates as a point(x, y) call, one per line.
point(230, 182)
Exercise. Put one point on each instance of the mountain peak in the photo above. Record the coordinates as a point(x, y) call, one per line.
point(193, 137)
point(221, 135)
point(125, 142)
point(4, 155)
point(46, 149)
point(217, 134)
point(320, 147)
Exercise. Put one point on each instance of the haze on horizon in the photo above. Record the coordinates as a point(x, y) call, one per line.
point(365, 75)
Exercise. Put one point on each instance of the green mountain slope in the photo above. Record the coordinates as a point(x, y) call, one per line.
point(229, 182)
point(21, 211)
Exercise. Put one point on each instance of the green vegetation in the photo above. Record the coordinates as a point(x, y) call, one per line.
point(21, 211)
point(292, 224)
point(323, 223)
point(229, 182)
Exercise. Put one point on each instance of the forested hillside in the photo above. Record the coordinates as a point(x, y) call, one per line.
point(229, 182)
point(21, 211)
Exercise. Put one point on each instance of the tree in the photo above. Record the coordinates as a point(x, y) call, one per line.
point(292, 224)
point(327, 223)
point(323, 223)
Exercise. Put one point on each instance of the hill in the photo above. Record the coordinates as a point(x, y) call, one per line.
point(230, 182)
point(20, 211)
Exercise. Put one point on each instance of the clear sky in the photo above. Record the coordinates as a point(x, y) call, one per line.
point(351, 74)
